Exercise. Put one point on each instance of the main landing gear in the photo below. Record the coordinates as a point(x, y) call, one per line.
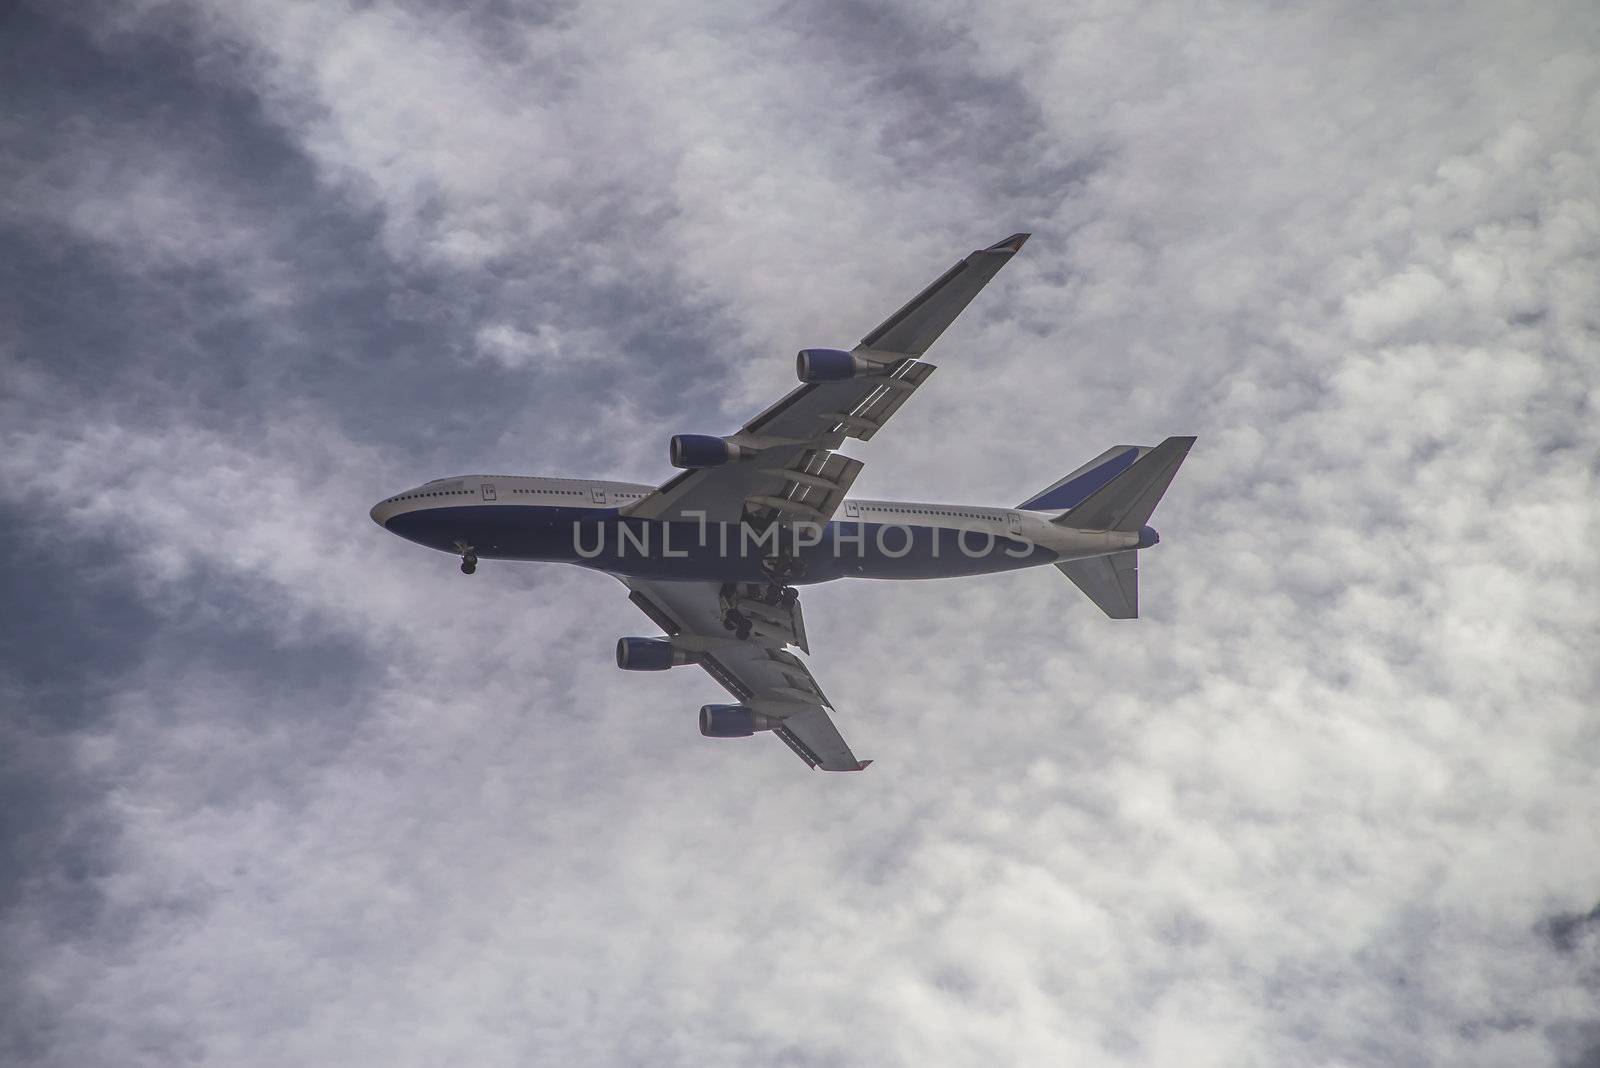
point(779, 570)
point(744, 604)
point(738, 622)
point(469, 558)
point(733, 619)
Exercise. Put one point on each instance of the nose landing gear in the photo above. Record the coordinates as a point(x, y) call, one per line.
point(469, 558)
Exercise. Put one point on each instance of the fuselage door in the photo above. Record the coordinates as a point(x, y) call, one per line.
point(852, 510)
point(488, 490)
point(597, 495)
point(1014, 522)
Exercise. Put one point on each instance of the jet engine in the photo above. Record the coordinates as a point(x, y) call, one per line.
point(703, 450)
point(833, 365)
point(648, 654)
point(734, 721)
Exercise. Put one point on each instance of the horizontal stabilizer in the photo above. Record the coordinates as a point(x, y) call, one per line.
point(1125, 503)
point(1112, 582)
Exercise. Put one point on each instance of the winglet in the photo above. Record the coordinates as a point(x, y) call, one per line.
point(1013, 243)
point(862, 766)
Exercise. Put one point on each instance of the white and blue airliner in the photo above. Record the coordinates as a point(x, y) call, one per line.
point(714, 555)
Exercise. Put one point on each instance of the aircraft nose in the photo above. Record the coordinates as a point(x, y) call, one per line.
point(381, 513)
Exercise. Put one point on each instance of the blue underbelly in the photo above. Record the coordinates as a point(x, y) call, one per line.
point(686, 551)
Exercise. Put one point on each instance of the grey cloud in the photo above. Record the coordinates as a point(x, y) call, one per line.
point(1568, 930)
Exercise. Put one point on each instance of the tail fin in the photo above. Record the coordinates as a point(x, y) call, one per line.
point(1122, 500)
point(1071, 490)
point(1126, 501)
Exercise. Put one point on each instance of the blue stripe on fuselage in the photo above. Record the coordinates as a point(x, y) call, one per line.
point(601, 538)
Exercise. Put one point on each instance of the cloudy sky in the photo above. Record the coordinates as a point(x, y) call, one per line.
point(277, 788)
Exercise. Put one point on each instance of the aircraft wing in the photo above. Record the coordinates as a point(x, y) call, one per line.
point(796, 474)
point(759, 671)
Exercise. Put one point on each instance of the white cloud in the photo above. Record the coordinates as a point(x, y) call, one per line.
point(523, 350)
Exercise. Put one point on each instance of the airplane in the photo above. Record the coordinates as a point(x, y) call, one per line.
point(713, 556)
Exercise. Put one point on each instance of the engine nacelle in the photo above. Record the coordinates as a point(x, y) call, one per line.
point(734, 721)
point(648, 654)
point(703, 450)
point(833, 365)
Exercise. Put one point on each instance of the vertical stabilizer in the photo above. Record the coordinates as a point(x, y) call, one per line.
point(1077, 485)
point(1126, 501)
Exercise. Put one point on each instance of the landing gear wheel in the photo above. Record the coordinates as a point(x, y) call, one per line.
point(790, 596)
point(469, 565)
point(743, 633)
point(780, 569)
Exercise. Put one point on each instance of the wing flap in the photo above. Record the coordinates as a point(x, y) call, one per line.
point(885, 400)
point(811, 487)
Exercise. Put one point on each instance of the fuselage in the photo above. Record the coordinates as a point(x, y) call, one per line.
point(586, 522)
